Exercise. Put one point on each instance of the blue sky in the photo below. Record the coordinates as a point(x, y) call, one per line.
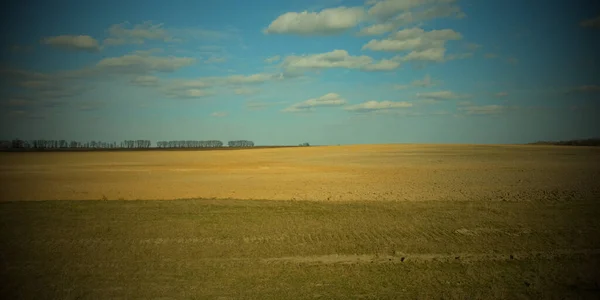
point(287, 72)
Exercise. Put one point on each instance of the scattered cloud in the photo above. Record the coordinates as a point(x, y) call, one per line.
point(327, 100)
point(272, 59)
point(336, 59)
point(329, 21)
point(73, 42)
point(591, 23)
point(426, 82)
point(392, 15)
point(501, 94)
point(413, 39)
point(140, 64)
point(145, 80)
point(440, 96)
point(219, 114)
point(491, 55)
point(371, 106)
point(423, 45)
point(119, 34)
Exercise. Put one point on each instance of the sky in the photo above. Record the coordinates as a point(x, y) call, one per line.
point(286, 72)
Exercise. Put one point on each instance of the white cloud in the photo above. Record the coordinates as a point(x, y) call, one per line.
point(145, 80)
point(415, 39)
point(137, 64)
point(591, 23)
point(370, 106)
point(326, 22)
point(272, 59)
point(501, 94)
point(392, 22)
point(327, 100)
point(336, 59)
point(73, 42)
point(433, 54)
point(219, 114)
point(377, 29)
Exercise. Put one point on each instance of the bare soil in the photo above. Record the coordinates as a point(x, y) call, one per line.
point(333, 173)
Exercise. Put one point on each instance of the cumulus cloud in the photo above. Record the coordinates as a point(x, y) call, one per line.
point(136, 64)
point(73, 42)
point(327, 100)
point(591, 23)
point(326, 22)
point(370, 106)
point(219, 114)
point(336, 59)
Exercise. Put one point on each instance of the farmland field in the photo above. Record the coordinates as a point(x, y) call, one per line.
point(375, 222)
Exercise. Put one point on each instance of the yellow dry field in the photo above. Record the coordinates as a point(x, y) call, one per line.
point(361, 172)
point(389, 222)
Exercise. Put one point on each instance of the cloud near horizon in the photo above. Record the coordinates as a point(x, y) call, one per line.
point(295, 67)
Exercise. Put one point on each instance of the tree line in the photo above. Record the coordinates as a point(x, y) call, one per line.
point(127, 144)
